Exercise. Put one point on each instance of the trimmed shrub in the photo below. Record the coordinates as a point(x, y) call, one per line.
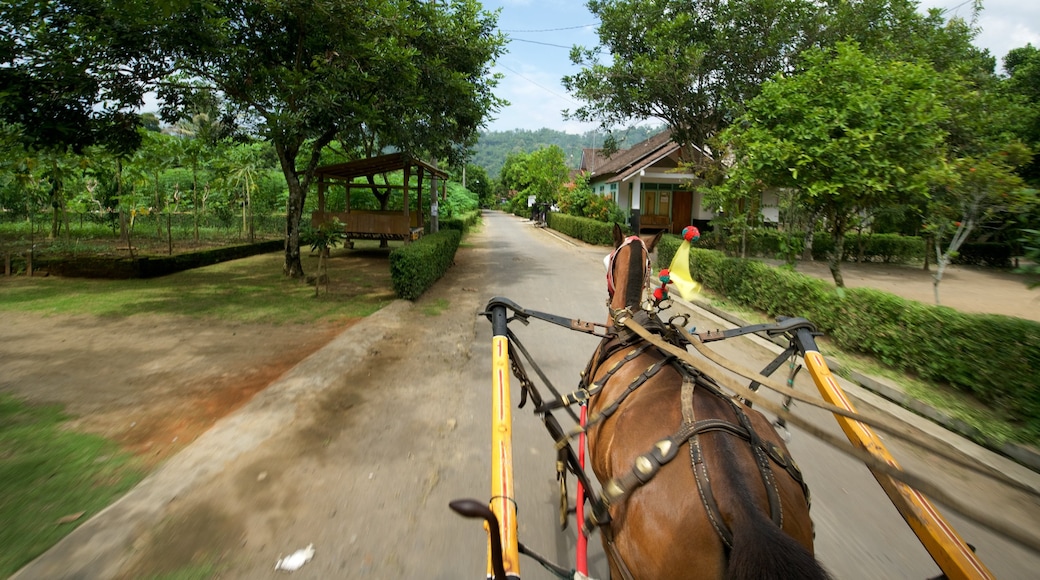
point(992, 254)
point(462, 222)
point(991, 357)
point(587, 230)
point(885, 248)
point(416, 266)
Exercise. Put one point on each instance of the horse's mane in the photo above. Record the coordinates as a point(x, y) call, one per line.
point(634, 275)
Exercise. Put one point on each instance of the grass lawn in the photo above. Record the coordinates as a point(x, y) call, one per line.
point(247, 290)
point(51, 479)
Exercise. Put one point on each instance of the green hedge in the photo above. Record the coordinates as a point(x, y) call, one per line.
point(992, 254)
point(587, 230)
point(886, 248)
point(462, 222)
point(767, 243)
point(416, 266)
point(990, 356)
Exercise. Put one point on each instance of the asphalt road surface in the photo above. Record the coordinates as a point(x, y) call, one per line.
point(859, 534)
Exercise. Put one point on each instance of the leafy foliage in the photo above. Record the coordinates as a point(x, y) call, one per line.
point(73, 71)
point(416, 266)
point(540, 173)
point(995, 356)
point(689, 64)
point(587, 230)
point(580, 201)
point(847, 134)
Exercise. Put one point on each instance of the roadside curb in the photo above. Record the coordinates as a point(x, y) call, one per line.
point(1022, 455)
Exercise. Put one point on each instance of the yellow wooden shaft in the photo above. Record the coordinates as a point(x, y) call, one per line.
point(949, 551)
point(502, 501)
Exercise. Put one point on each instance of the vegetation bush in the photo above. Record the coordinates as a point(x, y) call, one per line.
point(991, 357)
point(581, 202)
point(772, 243)
point(885, 248)
point(416, 266)
point(587, 230)
point(994, 255)
point(462, 222)
point(518, 206)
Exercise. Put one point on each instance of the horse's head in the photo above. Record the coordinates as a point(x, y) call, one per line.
point(628, 269)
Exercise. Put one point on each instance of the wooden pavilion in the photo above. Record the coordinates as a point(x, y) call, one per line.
point(364, 224)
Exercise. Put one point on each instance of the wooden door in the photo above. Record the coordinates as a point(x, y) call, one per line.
point(682, 210)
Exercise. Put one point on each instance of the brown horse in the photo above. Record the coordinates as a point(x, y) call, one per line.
point(674, 526)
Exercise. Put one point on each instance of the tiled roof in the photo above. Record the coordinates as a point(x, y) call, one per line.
point(626, 159)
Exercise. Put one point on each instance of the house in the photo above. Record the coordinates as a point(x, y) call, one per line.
point(647, 183)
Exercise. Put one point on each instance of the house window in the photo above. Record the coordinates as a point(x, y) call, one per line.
point(657, 199)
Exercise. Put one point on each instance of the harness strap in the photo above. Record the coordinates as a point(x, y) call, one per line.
point(632, 386)
point(586, 391)
point(647, 465)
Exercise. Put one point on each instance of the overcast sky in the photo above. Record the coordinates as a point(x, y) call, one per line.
point(542, 32)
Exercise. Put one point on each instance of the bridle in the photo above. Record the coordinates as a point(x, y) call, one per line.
point(609, 260)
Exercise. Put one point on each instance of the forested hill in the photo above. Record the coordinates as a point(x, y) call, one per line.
point(493, 146)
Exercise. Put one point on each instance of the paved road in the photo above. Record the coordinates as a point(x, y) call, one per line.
point(359, 449)
point(859, 533)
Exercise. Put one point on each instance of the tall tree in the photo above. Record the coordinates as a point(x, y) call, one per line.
point(72, 72)
point(975, 190)
point(311, 71)
point(1023, 68)
point(687, 63)
point(848, 134)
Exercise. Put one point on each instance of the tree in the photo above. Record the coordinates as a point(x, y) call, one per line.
point(689, 64)
point(539, 174)
point(849, 134)
point(242, 166)
point(478, 182)
point(74, 71)
point(415, 75)
point(694, 64)
point(975, 190)
point(1023, 67)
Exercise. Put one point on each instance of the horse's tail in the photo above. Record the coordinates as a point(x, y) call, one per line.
point(762, 551)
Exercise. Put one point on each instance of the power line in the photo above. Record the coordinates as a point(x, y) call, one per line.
point(542, 43)
point(553, 29)
point(546, 89)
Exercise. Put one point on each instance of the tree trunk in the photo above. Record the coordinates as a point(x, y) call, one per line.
point(838, 254)
point(293, 266)
point(810, 229)
point(943, 259)
point(195, 200)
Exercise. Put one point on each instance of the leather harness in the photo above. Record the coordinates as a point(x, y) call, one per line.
point(647, 465)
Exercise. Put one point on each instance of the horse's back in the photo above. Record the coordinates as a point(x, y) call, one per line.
point(664, 529)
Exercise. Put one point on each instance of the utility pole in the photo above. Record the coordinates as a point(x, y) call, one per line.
point(434, 200)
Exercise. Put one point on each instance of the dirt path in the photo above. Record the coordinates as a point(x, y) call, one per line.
point(151, 383)
point(965, 288)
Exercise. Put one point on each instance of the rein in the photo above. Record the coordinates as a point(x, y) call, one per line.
point(1016, 534)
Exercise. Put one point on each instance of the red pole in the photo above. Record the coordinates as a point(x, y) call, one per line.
point(581, 549)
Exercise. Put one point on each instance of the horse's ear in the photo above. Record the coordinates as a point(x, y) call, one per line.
point(653, 242)
point(619, 236)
